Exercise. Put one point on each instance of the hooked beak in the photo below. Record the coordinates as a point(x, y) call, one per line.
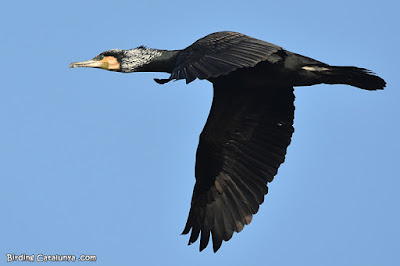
point(107, 62)
point(90, 63)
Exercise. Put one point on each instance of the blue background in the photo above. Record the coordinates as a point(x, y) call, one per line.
point(96, 162)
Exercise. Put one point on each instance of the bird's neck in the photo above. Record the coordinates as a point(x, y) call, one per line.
point(157, 60)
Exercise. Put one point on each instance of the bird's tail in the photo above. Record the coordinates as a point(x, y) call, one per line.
point(354, 76)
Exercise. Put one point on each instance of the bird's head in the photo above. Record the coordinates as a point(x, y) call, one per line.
point(121, 60)
point(108, 60)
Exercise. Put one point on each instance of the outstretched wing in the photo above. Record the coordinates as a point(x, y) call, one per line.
point(241, 147)
point(220, 53)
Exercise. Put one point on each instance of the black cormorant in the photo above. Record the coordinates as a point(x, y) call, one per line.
point(250, 124)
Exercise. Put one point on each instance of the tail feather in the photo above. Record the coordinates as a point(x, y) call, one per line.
point(354, 76)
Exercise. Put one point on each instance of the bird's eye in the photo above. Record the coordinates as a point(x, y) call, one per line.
point(101, 57)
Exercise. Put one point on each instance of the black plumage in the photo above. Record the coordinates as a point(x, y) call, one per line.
point(236, 157)
point(250, 124)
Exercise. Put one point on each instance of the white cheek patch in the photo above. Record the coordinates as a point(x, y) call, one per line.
point(315, 68)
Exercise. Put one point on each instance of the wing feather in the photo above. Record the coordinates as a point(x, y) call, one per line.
point(241, 147)
point(219, 54)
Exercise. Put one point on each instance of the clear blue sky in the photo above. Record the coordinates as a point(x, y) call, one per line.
point(95, 162)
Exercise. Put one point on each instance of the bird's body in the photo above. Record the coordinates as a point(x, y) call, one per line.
point(250, 124)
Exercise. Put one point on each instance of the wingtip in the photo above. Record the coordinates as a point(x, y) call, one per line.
point(215, 249)
point(216, 246)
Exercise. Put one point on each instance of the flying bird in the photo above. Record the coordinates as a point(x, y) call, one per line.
point(250, 124)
